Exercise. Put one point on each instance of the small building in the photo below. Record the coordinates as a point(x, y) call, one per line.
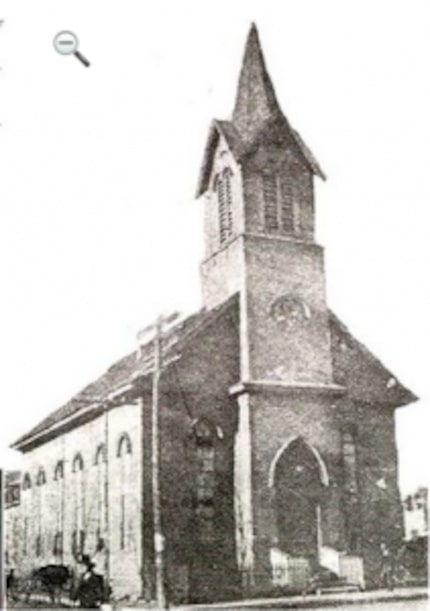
point(416, 514)
point(12, 523)
point(277, 426)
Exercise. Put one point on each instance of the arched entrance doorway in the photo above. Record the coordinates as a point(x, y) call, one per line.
point(298, 484)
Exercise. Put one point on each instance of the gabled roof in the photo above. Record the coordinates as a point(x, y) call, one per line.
point(256, 114)
point(354, 367)
point(365, 377)
point(126, 371)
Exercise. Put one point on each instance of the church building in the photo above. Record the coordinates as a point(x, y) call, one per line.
point(276, 426)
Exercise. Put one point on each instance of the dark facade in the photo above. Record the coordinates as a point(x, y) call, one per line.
point(277, 435)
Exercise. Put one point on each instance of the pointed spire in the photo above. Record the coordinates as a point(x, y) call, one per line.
point(255, 100)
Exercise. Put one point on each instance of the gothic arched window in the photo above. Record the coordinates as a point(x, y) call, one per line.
point(100, 455)
point(281, 195)
point(41, 477)
point(205, 480)
point(223, 188)
point(26, 511)
point(124, 445)
point(78, 491)
point(57, 549)
point(352, 512)
point(124, 454)
point(100, 483)
point(59, 470)
point(289, 202)
point(26, 482)
point(78, 463)
point(270, 195)
point(40, 509)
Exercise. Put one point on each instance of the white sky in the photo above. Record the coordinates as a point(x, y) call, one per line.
point(99, 232)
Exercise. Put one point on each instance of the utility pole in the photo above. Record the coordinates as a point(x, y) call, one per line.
point(156, 501)
point(156, 330)
point(106, 532)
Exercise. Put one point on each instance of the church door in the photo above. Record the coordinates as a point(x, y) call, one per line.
point(298, 490)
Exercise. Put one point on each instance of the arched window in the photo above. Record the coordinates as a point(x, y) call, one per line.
point(26, 482)
point(40, 509)
point(100, 456)
point(204, 498)
point(100, 483)
point(27, 511)
point(58, 544)
point(59, 470)
point(352, 511)
point(124, 454)
point(41, 477)
point(78, 463)
point(38, 545)
point(281, 195)
point(78, 491)
point(223, 188)
point(57, 549)
point(78, 543)
point(124, 445)
point(289, 201)
point(270, 196)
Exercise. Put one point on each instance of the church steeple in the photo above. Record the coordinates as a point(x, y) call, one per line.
point(256, 100)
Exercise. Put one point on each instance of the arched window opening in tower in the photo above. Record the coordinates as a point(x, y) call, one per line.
point(289, 207)
point(270, 195)
point(223, 187)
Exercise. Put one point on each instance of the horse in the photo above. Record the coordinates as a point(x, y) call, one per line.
point(53, 578)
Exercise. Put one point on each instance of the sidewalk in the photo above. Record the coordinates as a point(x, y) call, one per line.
point(311, 601)
point(314, 601)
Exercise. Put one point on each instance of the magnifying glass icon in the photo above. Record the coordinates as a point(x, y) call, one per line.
point(66, 43)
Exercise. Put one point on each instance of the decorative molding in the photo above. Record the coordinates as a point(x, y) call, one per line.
point(258, 386)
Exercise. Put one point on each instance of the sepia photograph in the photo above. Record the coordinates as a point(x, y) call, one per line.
point(214, 233)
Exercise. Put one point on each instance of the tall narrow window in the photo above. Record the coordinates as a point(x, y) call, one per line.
point(59, 497)
point(100, 467)
point(25, 542)
point(40, 509)
point(351, 489)
point(227, 175)
point(26, 510)
point(223, 187)
point(124, 454)
point(205, 481)
point(349, 461)
point(26, 483)
point(270, 194)
point(78, 539)
point(288, 207)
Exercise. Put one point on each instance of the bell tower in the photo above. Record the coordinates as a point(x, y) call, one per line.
point(257, 181)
